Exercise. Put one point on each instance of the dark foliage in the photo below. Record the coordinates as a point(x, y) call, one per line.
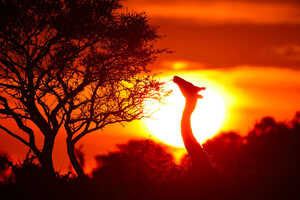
point(265, 163)
point(261, 165)
point(5, 168)
point(138, 169)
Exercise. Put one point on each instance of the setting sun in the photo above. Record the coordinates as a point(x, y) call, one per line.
point(207, 118)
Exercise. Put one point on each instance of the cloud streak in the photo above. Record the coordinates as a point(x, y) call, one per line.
point(273, 12)
point(231, 45)
point(226, 34)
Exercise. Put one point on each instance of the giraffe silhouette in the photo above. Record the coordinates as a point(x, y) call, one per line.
point(201, 166)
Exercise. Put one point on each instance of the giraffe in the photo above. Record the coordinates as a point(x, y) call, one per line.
point(201, 165)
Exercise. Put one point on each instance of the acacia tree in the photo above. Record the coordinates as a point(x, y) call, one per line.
point(77, 65)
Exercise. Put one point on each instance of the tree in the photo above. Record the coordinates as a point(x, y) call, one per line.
point(137, 168)
point(77, 65)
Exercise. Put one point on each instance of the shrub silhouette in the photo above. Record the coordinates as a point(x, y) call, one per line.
point(264, 161)
point(137, 169)
point(263, 165)
point(5, 168)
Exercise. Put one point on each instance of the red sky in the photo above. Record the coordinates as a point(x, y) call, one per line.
point(251, 48)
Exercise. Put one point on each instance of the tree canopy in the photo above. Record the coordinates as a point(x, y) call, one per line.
point(76, 65)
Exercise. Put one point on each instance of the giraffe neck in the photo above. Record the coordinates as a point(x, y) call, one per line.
point(194, 149)
point(191, 144)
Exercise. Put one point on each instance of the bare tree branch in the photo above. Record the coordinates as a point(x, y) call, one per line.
point(15, 136)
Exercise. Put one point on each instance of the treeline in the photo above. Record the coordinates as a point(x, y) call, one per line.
point(261, 165)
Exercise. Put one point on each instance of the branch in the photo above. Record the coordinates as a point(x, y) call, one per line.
point(68, 96)
point(15, 135)
point(82, 134)
point(11, 65)
point(15, 116)
point(92, 111)
point(17, 47)
point(44, 51)
point(44, 106)
point(13, 87)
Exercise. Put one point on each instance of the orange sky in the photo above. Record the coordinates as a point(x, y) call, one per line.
point(249, 48)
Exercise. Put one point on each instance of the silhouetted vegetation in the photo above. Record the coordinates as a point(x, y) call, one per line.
point(261, 165)
point(265, 162)
point(77, 65)
point(139, 169)
point(5, 169)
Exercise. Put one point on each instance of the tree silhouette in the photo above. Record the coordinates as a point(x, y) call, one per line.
point(274, 148)
point(225, 151)
point(265, 161)
point(137, 168)
point(73, 65)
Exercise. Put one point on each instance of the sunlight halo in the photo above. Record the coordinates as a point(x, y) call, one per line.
point(207, 118)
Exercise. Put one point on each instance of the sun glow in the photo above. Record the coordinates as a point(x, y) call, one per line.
point(207, 118)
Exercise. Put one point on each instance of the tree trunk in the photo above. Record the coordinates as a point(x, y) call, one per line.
point(45, 157)
point(46, 162)
point(75, 163)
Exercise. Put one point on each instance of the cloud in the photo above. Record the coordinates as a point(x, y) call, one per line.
point(168, 2)
point(291, 52)
point(216, 11)
point(229, 45)
point(225, 34)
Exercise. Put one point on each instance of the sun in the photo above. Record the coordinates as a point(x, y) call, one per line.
point(206, 120)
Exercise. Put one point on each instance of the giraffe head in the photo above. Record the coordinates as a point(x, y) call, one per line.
point(188, 90)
